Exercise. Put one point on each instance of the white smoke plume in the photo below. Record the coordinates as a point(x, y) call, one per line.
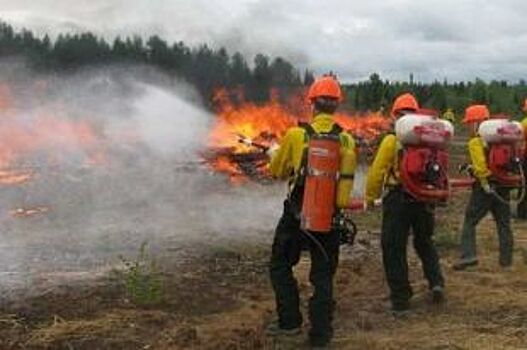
point(137, 176)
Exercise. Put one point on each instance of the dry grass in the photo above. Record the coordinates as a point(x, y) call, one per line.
point(110, 329)
point(223, 300)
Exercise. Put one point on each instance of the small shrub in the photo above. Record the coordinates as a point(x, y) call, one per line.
point(142, 279)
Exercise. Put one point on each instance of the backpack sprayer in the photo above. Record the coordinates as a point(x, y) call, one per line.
point(324, 177)
point(503, 139)
point(423, 160)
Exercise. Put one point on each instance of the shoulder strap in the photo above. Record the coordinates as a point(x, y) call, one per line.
point(336, 129)
point(308, 134)
point(399, 152)
point(309, 131)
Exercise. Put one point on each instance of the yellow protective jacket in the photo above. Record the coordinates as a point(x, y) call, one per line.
point(384, 169)
point(287, 160)
point(478, 159)
point(450, 116)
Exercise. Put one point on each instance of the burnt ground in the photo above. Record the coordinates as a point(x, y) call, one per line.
point(217, 296)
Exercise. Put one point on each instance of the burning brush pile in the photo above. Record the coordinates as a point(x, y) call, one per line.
point(243, 132)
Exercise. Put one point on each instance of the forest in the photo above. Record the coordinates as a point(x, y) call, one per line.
point(210, 68)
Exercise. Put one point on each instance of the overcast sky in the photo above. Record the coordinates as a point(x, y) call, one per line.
point(434, 39)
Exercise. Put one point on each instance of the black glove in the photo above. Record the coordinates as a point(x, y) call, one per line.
point(344, 225)
point(465, 168)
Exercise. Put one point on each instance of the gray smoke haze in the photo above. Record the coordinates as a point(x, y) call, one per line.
point(434, 39)
point(149, 184)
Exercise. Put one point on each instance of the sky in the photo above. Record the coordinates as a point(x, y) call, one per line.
point(433, 39)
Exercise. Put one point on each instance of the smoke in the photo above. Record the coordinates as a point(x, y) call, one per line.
point(173, 127)
point(116, 160)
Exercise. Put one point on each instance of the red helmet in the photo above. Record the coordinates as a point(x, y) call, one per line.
point(404, 102)
point(326, 86)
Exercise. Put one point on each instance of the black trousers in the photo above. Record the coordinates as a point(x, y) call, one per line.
point(287, 246)
point(400, 214)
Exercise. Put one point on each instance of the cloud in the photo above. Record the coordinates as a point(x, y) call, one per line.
point(433, 39)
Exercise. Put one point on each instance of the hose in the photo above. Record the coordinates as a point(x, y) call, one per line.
point(522, 194)
point(499, 198)
point(317, 243)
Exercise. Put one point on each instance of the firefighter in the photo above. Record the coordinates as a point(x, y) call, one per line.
point(486, 196)
point(289, 163)
point(401, 212)
point(522, 206)
point(449, 116)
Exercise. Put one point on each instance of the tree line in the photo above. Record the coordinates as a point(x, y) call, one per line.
point(209, 69)
point(376, 94)
point(204, 67)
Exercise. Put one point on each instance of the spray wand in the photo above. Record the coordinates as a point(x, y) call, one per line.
point(269, 150)
point(248, 142)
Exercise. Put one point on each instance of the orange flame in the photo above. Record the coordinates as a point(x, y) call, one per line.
point(267, 124)
point(257, 123)
point(27, 212)
point(15, 177)
point(367, 126)
point(47, 133)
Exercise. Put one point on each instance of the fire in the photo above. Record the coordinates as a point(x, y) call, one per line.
point(241, 132)
point(47, 134)
point(225, 165)
point(28, 212)
point(261, 124)
point(367, 126)
point(15, 177)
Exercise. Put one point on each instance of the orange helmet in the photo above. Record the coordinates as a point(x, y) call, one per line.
point(476, 113)
point(404, 102)
point(326, 86)
point(525, 105)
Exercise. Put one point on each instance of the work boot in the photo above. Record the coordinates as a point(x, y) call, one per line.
point(318, 344)
point(400, 309)
point(319, 347)
point(273, 329)
point(400, 314)
point(463, 264)
point(438, 294)
point(321, 342)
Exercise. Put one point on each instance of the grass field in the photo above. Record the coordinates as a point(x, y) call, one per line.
point(218, 296)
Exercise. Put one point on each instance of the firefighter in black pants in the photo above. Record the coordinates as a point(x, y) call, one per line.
point(287, 163)
point(401, 213)
point(287, 246)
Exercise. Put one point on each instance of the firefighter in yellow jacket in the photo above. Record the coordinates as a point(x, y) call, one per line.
point(486, 197)
point(522, 206)
point(449, 116)
point(401, 213)
point(289, 163)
